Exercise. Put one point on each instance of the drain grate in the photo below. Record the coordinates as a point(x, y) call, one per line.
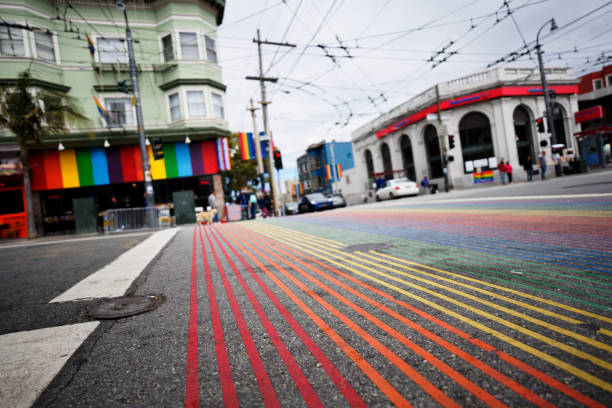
point(124, 306)
point(376, 246)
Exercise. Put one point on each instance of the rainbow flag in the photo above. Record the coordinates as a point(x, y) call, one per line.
point(247, 146)
point(90, 45)
point(223, 154)
point(483, 177)
point(102, 111)
point(328, 171)
point(339, 171)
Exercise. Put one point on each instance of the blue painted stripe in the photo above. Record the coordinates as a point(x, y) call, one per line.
point(100, 166)
point(183, 160)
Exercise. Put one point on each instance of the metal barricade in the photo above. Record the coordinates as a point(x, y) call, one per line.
point(122, 219)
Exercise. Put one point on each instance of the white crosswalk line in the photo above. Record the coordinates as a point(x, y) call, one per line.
point(31, 359)
point(115, 278)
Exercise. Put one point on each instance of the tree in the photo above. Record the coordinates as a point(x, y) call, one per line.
point(242, 171)
point(32, 116)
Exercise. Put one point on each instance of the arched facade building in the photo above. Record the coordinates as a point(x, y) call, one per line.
point(492, 115)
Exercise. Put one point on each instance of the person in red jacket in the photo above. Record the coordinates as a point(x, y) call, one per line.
point(509, 172)
point(502, 171)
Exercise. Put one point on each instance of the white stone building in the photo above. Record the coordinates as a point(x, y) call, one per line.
point(491, 115)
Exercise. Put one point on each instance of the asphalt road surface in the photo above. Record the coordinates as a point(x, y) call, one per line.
point(499, 296)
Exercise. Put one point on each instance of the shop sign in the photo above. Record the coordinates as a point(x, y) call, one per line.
point(596, 112)
point(10, 167)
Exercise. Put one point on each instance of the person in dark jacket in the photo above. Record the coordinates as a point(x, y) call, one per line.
point(528, 165)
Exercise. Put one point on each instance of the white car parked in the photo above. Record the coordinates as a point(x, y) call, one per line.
point(398, 187)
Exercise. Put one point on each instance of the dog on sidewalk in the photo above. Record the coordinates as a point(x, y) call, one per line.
point(206, 217)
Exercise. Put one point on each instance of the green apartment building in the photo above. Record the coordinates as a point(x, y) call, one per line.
point(78, 47)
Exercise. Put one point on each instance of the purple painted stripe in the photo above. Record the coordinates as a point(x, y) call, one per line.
point(115, 170)
point(197, 164)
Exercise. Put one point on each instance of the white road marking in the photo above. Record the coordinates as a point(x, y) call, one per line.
point(31, 359)
point(115, 278)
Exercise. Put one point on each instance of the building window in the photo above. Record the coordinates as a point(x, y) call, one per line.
point(597, 84)
point(120, 111)
point(44, 46)
point(168, 49)
point(189, 45)
point(195, 104)
point(476, 140)
point(11, 41)
point(609, 80)
point(175, 107)
point(112, 51)
point(211, 54)
point(217, 101)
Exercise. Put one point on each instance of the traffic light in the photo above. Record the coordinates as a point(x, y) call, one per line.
point(157, 147)
point(451, 142)
point(123, 86)
point(540, 123)
point(278, 160)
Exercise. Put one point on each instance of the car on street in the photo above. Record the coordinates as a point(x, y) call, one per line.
point(291, 208)
point(399, 187)
point(337, 200)
point(315, 202)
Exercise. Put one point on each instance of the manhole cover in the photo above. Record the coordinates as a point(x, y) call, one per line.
point(366, 247)
point(124, 306)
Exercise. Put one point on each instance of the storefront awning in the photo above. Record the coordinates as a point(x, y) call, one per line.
point(606, 128)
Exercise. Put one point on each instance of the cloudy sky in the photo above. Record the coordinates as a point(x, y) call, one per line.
point(356, 59)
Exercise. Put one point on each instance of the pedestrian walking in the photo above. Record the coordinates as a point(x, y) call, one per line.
point(542, 160)
point(267, 205)
point(528, 165)
point(502, 170)
point(509, 172)
point(212, 203)
point(253, 204)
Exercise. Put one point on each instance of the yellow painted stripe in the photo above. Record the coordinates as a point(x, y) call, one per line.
point(70, 171)
point(562, 346)
point(492, 285)
point(158, 167)
point(487, 330)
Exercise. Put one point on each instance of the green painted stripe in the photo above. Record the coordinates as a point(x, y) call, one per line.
point(170, 160)
point(83, 157)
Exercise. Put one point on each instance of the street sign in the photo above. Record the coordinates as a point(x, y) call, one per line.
point(596, 112)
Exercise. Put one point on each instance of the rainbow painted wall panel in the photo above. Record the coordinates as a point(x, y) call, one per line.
point(71, 168)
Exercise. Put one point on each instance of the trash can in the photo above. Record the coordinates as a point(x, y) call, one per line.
point(581, 165)
point(558, 170)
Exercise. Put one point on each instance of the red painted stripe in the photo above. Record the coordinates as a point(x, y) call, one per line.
point(37, 164)
point(209, 156)
point(53, 170)
point(479, 343)
point(304, 386)
point(191, 381)
point(230, 398)
point(128, 164)
point(510, 383)
point(349, 392)
point(261, 375)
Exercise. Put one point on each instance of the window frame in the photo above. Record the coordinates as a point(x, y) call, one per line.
point(169, 96)
point(213, 106)
point(24, 44)
point(609, 80)
point(172, 47)
point(107, 98)
point(188, 110)
point(197, 45)
point(99, 50)
point(208, 51)
point(595, 81)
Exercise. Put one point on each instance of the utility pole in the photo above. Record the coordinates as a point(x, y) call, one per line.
point(257, 141)
point(442, 139)
point(146, 171)
point(264, 104)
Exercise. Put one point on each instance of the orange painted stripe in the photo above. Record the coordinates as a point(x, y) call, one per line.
point(394, 396)
point(545, 378)
point(424, 383)
point(510, 383)
point(53, 170)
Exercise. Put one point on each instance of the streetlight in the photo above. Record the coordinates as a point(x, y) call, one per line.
point(549, 108)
